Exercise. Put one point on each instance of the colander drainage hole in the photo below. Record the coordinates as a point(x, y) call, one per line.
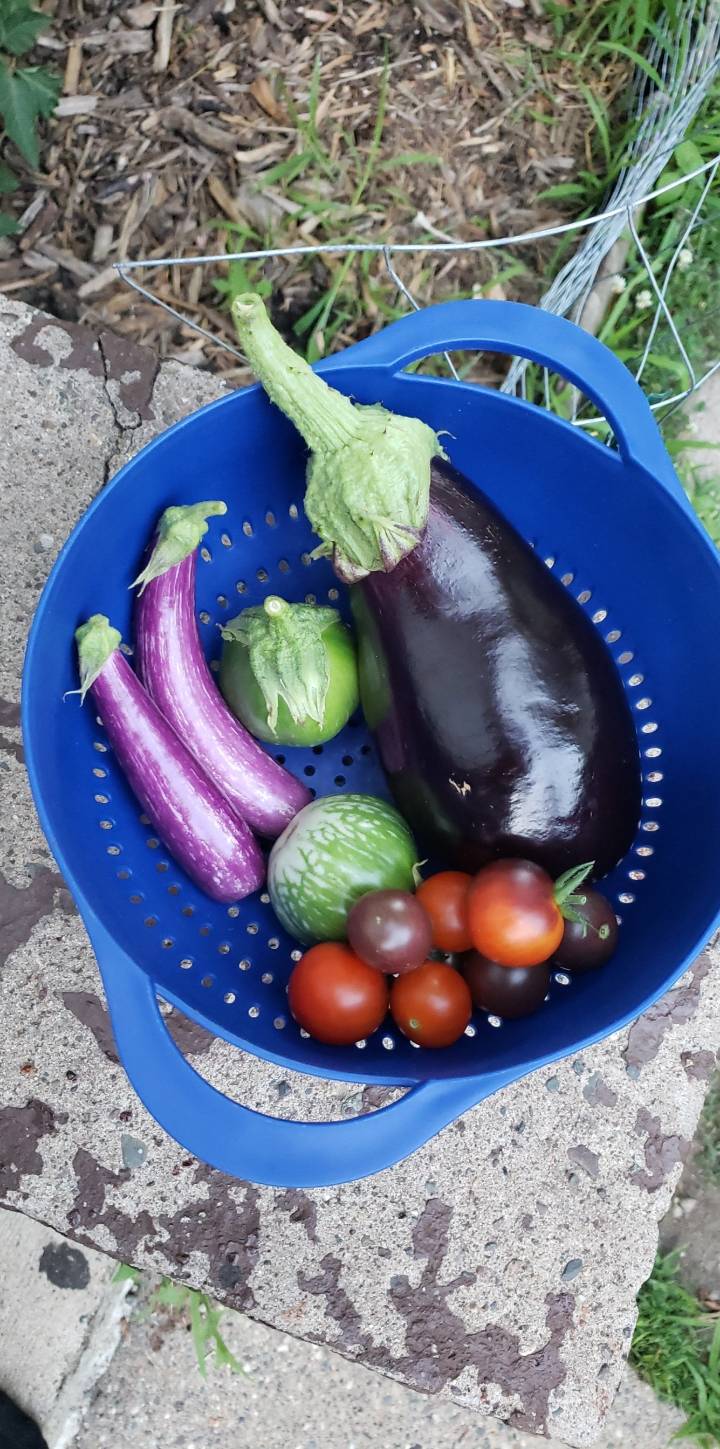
point(98, 773)
point(347, 761)
point(316, 749)
point(205, 930)
point(162, 865)
point(279, 1023)
point(224, 948)
point(388, 1043)
point(584, 596)
point(333, 594)
point(123, 875)
point(295, 955)
point(253, 1011)
point(151, 920)
point(293, 510)
point(309, 770)
point(233, 911)
point(339, 780)
point(114, 849)
point(152, 842)
point(229, 998)
point(188, 911)
point(186, 963)
point(253, 928)
point(247, 528)
point(205, 554)
point(100, 747)
point(262, 576)
point(226, 540)
point(207, 981)
point(267, 978)
point(102, 799)
point(265, 899)
point(167, 942)
point(135, 899)
point(283, 566)
point(244, 965)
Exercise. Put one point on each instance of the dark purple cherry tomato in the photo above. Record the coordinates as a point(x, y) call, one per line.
point(507, 991)
point(592, 940)
point(390, 931)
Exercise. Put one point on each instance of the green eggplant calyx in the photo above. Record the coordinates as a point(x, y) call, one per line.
point(179, 532)
point(368, 480)
point(96, 640)
point(288, 655)
point(565, 893)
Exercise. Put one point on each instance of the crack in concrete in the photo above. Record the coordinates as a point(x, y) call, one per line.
point(111, 462)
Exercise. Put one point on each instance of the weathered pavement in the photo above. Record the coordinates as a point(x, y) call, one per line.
point(498, 1267)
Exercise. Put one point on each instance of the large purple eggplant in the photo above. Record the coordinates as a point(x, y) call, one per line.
point(172, 666)
point(202, 833)
point(499, 715)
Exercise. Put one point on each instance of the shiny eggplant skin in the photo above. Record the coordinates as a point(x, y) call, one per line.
point(498, 712)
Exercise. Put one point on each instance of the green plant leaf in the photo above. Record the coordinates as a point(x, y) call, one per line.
point(20, 27)
point(8, 180)
point(25, 95)
point(123, 1272)
point(8, 225)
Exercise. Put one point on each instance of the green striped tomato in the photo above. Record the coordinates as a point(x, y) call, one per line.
point(334, 851)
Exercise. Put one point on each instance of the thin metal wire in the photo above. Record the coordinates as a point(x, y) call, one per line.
point(358, 248)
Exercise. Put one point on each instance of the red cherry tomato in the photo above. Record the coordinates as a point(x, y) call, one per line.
point(335, 996)
point(445, 898)
point(431, 1005)
point(390, 930)
point(513, 915)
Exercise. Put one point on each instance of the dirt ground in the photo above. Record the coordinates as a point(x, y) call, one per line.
point(186, 127)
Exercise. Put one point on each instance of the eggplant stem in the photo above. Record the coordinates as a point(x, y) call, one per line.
point(323, 416)
point(179, 532)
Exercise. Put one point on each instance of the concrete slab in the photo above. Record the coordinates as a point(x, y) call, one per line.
point(296, 1396)
point(497, 1268)
point(60, 1321)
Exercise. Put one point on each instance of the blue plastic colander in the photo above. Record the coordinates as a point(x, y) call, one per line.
point(617, 530)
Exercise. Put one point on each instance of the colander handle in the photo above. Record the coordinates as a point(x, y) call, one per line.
point(248, 1144)
point(524, 331)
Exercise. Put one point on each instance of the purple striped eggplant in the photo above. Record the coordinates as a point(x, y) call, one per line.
point(172, 666)
point(499, 715)
point(201, 831)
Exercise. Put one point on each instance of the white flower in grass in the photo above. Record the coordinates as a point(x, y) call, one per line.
point(618, 285)
point(685, 257)
point(643, 300)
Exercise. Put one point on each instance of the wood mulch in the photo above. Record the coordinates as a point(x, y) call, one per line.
point(292, 124)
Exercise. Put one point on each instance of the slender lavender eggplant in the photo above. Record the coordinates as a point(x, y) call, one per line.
point(202, 833)
point(172, 666)
point(499, 715)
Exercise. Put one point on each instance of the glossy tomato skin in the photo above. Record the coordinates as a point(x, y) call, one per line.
point(513, 916)
point(578, 952)
point(432, 1006)
point(507, 991)
point(335, 996)
point(390, 931)
point(445, 898)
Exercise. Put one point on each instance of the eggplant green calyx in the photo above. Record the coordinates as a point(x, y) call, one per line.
point(288, 656)
point(566, 898)
point(96, 640)
point(179, 532)
point(368, 478)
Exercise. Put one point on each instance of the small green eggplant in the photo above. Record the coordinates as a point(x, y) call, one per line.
point(289, 672)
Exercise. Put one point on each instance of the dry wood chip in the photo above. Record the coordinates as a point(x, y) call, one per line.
point(219, 192)
point(72, 68)
point(104, 279)
point(261, 92)
point(75, 106)
point(270, 10)
point(539, 38)
point(102, 242)
point(127, 42)
point(41, 226)
point(65, 259)
point(177, 118)
point(260, 153)
point(163, 36)
point(141, 16)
